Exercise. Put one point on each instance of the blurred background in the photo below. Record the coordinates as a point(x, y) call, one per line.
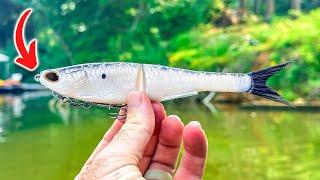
point(252, 138)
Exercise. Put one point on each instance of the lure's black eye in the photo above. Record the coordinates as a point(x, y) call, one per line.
point(52, 76)
point(103, 76)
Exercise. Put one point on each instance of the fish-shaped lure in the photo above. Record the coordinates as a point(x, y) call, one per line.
point(109, 83)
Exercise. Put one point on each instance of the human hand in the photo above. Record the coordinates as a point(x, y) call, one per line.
point(147, 146)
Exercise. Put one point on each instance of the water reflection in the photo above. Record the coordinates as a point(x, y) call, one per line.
point(66, 112)
point(11, 107)
point(41, 135)
point(12, 110)
point(34, 109)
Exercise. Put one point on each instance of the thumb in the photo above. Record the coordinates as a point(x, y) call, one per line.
point(135, 134)
point(121, 156)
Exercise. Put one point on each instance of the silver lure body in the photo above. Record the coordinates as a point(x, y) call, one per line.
point(109, 83)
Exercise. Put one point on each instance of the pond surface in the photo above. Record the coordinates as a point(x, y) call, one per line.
point(43, 139)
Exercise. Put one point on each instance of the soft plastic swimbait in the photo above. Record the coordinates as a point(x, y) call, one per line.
point(109, 83)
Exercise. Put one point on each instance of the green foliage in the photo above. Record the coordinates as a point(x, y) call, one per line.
point(239, 47)
point(72, 32)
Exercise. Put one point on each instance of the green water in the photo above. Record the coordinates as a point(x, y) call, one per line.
point(40, 139)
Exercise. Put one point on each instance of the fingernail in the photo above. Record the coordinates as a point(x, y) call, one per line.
point(175, 117)
point(195, 124)
point(134, 99)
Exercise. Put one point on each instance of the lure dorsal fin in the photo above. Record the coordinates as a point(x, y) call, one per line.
point(140, 79)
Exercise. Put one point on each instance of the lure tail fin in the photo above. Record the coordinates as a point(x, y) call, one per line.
point(259, 86)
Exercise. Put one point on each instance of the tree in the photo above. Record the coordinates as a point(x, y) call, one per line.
point(257, 5)
point(8, 16)
point(296, 5)
point(269, 10)
point(242, 8)
point(242, 4)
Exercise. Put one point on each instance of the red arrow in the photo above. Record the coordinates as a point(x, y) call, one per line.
point(26, 60)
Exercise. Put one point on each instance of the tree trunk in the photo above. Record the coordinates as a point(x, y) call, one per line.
point(257, 6)
point(242, 11)
point(242, 4)
point(269, 11)
point(296, 4)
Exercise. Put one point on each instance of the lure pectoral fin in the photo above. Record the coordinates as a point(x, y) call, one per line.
point(259, 86)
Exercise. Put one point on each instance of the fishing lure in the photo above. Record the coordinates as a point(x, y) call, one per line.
point(107, 84)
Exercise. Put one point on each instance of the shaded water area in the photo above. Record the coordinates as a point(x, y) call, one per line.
point(42, 139)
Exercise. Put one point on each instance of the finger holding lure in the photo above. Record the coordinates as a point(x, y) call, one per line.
point(109, 83)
